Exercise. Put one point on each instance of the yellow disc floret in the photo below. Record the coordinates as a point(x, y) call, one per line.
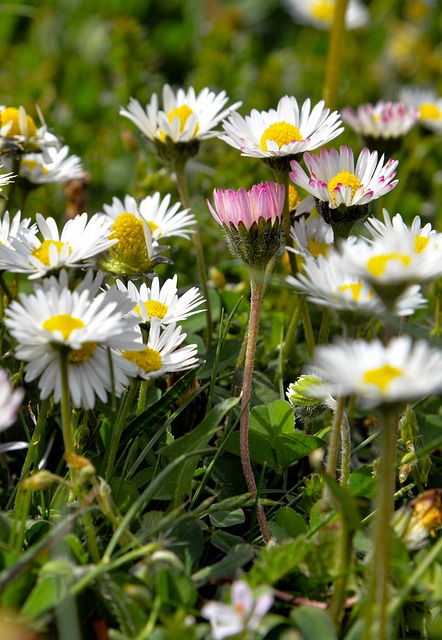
point(280, 132)
point(64, 323)
point(429, 112)
point(323, 10)
point(148, 360)
point(377, 265)
point(12, 115)
point(182, 113)
point(131, 248)
point(318, 248)
point(77, 356)
point(42, 252)
point(354, 288)
point(154, 308)
point(420, 243)
point(382, 376)
point(346, 179)
point(294, 197)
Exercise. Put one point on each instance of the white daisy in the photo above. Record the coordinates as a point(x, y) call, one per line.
point(79, 240)
point(384, 120)
point(54, 320)
point(244, 613)
point(15, 228)
point(18, 131)
point(53, 164)
point(312, 237)
point(163, 353)
point(335, 180)
point(284, 131)
point(185, 117)
point(401, 371)
point(6, 178)
point(10, 401)
point(428, 103)
point(396, 228)
point(162, 302)
point(328, 283)
point(319, 13)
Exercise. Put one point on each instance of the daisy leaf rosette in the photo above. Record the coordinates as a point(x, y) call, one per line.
point(80, 240)
point(54, 323)
point(185, 119)
point(252, 221)
point(244, 613)
point(342, 189)
point(428, 103)
point(164, 352)
point(282, 134)
point(383, 125)
point(319, 13)
point(162, 303)
point(400, 372)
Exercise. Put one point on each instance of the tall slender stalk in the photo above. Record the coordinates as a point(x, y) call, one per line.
point(66, 424)
point(119, 426)
point(333, 65)
point(252, 337)
point(180, 172)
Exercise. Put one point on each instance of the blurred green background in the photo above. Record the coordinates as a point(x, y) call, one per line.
point(81, 61)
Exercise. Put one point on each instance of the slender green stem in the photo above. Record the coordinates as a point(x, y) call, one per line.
point(307, 324)
point(119, 426)
point(333, 65)
point(66, 424)
point(333, 446)
point(5, 287)
point(325, 326)
point(252, 336)
point(180, 172)
point(33, 449)
point(91, 537)
point(345, 452)
point(291, 329)
point(141, 404)
point(377, 625)
point(343, 561)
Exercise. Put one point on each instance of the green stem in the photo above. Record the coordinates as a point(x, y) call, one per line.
point(180, 172)
point(343, 561)
point(119, 426)
point(333, 65)
point(66, 424)
point(333, 446)
point(345, 452)
point(377, 618)
point(5, 287)
point(325, 326)
point(144, 387)
point(91, 537)
point(307, 324)
point(252, 337)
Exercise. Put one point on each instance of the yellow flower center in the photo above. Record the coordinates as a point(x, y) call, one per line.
point(294, 197)
point(420, 243)
point(131, 247)
point(355, 289)
point(429, 111)
point(152, 225)
point(323, 10)
point(77, 356)
point(382, 376)
point(182, 113)
point(282, 133)
point(148, 360)
point(154, 308)
point(32, 164)
point(346, 179)
point(318, 248)
point(42, 252)
point(11, 114)
point(377, 265)
point(64, 323)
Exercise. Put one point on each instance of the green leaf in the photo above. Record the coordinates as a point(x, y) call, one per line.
point(225, 541)
point(292, 523)
point(276, 561)
point(51, 589)
point(313, 623)
point(227, 518)
point(227, 567)
point(362, 483)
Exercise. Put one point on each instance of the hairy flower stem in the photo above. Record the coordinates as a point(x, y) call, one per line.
point(256, 286)
point(333, 447)
point(180, 172)
point(119, 426)
point(66, 423)
point(333, 65)
point(377, 625)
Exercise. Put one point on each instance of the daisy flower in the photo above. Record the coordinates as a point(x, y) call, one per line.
point(10, 402)
point(243, 614)
point(342, 190)
point(396, 228)
point(6, 178)
point(252, 220)
point(312, 237)
point(54, 322)
point(15, 228)
point(328, 283)
point(400, 372)
point(162, 302)
point(163, 353)
point(79, 240)
point(18, 131)
point(382, 125)
point(319, 13)
point(428, 103)
point(282, 133)
point(185, 117)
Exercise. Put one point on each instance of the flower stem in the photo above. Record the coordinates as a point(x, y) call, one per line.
point(345, 451)
point(144, 387)
point(119, 426)
point(180, 172)
point(333, 446)
point(333, 65)
point(377, 619)
point(252, 336)
point(66, 424)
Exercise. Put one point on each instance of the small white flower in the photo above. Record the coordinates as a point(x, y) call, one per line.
point(53, 164)
point(377, 374)
point(163, 353)
point(428, 103)
point(319, 13)
point(10, 401)
point(54, 320)
point(162, 302)
point(335, 180)
point(397, 229)
point(384, 120)
point(16, 124)
point(186, 116)
point(313, 237)
point(6, 178)
point(243, 614)
point(285, 131)
point(79, 240)
point(15, 228)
